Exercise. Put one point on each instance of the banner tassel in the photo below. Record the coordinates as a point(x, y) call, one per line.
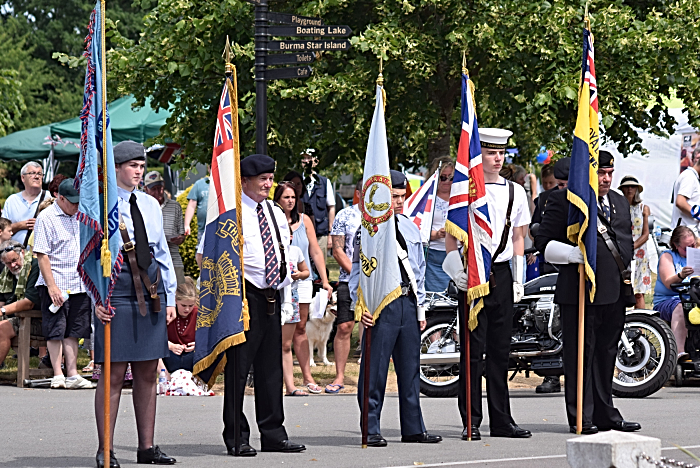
point(106, 259)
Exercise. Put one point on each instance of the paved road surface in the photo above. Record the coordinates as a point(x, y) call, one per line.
point(42, 428)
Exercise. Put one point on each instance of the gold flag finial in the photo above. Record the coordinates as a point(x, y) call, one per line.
point(380, 78)
point(464, 63)
point(586, 20)
point(227, 56)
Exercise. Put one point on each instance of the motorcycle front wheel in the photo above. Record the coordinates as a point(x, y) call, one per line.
point(652, 361)
point(439, 380)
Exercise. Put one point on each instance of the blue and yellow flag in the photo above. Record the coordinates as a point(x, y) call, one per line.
point(583, 173)
point(223, 316)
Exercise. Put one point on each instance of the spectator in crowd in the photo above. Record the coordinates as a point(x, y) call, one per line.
point(57, 247)
point(290, 312)
point(345, 225)
point(631, 188)
point(303, 236)
point(198, 200)
point(173, 225)
point(673, 268)
point(435, 277)
point(17, 291)
point(686, 198)
point(297, 181)
point(320, 195)
point(5, 229)
point(181, 331)
point(54, 184)
point(547, 177)
point(22, 208)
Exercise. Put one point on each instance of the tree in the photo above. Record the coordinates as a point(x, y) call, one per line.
point(524, 57)
point(35, 30)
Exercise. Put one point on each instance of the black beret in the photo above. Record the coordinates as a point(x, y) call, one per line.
point(128, 151)
point(561, 168)
point(257, 164)
point(398, 179)
point(605, 160)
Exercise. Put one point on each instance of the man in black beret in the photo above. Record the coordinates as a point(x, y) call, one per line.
point(605, 316)
point(266, 238)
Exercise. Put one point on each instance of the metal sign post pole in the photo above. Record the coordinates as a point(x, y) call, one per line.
point(260, 83)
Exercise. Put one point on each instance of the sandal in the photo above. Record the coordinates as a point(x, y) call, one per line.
point(334, 388)
point(90, 367)
point(297, 392)
point(313, 388)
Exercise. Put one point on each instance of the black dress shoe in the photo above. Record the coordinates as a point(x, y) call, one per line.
point(476, 435)
point(286, 447)
point(624, 426)
point(153, 456)
point(512, 431)
point(549, 385)
point(586, 429)
point(245, 451)
point(423, 438)
point(100, 459)
point(376, 440)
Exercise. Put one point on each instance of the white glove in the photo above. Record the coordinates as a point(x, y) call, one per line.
point(287, 312)
point(421, 313)
point(453, 266)
point(560, 253)
point(518, 290)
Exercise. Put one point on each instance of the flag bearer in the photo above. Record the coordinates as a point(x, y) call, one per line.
point(139, 333)
point(605, 316)
point(509, 214)
point(396, 331)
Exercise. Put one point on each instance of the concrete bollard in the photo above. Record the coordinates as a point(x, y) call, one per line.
point(611, 449)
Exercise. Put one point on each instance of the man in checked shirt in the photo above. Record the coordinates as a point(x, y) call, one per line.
point(57, 247)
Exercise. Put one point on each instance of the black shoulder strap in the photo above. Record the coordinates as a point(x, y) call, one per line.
point(36, 213)
point(609, 242)
point(506, 228)
point(402, 242)
point(283, 263)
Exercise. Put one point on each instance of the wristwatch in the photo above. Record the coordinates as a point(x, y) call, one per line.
point(3, 310)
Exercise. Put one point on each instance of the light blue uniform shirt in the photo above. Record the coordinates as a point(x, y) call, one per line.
point(411, 235)
point(17, 209)
point(153, 219)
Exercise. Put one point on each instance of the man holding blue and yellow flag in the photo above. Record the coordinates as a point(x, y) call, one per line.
point(588, 231)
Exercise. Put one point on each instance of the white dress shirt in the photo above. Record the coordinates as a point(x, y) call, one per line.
point(253, 251)
point(153, 220)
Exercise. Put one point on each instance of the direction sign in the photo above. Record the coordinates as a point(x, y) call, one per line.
point(286, 18)
point(287, 73)
point(316, 31)
point(308, 46)
point(284, 59)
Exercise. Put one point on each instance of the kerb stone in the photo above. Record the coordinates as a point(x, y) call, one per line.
point(611, 449)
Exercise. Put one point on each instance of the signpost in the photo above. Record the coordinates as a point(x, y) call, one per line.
point(298, 51)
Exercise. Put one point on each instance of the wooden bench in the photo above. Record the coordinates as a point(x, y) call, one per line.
point(23, 342)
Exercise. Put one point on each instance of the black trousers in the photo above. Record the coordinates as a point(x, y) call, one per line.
point(263, 349)
point(492, 336)
point(603, 326)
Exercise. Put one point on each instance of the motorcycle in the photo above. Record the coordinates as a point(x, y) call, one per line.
point(646, 356)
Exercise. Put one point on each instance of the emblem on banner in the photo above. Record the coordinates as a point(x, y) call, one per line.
point(374, 206)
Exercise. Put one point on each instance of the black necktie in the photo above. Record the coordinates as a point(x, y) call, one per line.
point(605, 208)
point(143, 253)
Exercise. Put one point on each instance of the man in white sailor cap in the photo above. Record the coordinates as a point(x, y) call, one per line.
point(509, 214)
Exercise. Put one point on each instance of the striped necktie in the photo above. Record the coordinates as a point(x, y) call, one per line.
point(605, 208)
point(272, 268)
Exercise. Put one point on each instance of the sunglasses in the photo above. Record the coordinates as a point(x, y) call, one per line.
point(444, 178)
point(10, 249)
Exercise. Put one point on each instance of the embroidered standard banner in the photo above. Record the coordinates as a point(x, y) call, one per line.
point(99, 263)
point(380, 277)
point(583, 173)
point(222, 316)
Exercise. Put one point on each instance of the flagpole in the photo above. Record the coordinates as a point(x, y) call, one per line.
point(107, 365)
point(467, 359)
point(367, 336)
point(432, 214)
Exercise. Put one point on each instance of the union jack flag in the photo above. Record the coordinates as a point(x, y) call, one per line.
point(468, 214)
point(420, 206)
point(224, 132)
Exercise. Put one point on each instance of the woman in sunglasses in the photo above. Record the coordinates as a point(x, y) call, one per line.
point(435, 277)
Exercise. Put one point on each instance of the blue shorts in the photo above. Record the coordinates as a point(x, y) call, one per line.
point(666, 307)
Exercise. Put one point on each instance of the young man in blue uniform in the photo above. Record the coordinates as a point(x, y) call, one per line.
point(396, 332)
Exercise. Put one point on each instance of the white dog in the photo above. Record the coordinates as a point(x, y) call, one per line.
point(318, 331)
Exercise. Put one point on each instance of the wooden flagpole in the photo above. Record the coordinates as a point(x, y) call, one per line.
point(107, 365)
point(579, 373)
point(467, 364)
